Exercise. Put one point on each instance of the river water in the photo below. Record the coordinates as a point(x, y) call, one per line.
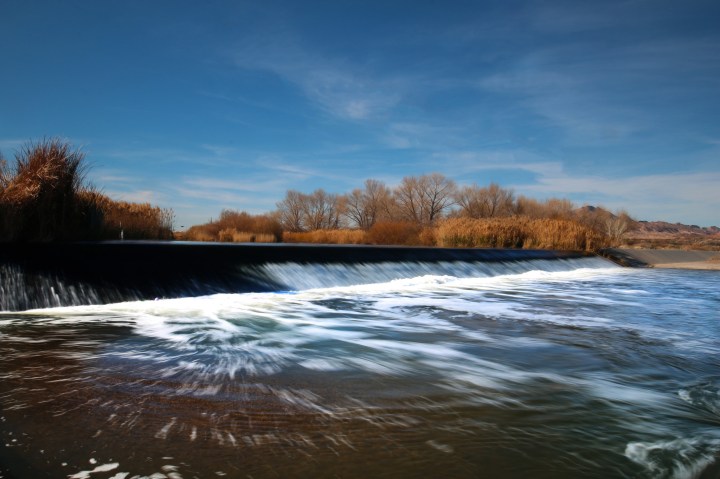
point(556, 369)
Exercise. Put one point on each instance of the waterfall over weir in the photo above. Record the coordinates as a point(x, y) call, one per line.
point(49, 275)
point(353, 362)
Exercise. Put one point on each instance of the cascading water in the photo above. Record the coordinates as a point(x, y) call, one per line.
point(540, 368)
point(99, 273)
point(21, 291)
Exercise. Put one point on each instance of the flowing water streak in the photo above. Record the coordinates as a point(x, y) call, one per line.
point(555, 369)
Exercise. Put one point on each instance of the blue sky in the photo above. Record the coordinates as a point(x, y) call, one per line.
point(200, 106)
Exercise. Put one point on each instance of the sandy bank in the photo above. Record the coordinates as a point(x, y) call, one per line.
point(662, 258)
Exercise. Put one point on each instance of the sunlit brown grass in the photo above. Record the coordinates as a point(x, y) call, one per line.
point(509, 232)
point(237, 227)
point(44, 197)
point(136, 220)
point(395, 233)
point(341, 236)
point(231, 235)
point(38, 199)
point(518, 232)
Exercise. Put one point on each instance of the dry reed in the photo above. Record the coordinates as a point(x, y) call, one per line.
point(518, 232)
point(237, 227)
point(44, 197)
point(342, 236)
point(395, 233)
point(231, 235)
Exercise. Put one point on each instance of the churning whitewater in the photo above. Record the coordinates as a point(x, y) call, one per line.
point(557, 368)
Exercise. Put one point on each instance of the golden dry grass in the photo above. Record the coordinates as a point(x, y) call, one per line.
point(38, 194)
point(395, 233)
point(231, 235)
point(518, 232)
point(341, 236)
point(236, 227)
point(508, 232)
point(44, 198)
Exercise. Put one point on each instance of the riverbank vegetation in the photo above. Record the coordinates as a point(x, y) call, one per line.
point(428, 210)
point(44, 196)
point(512, 232)
point(431, 210)
point(236, 227)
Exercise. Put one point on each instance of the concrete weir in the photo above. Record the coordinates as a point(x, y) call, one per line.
point(48, 275)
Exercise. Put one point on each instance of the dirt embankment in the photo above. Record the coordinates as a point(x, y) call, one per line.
point(665, 258)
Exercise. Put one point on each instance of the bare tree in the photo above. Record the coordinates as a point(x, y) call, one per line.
point(486, 202)
point(320, 210)
point(363, 207)
point(290, 211)
point(555, 208)
point(559, 208)
point(423, 199)
point(617, 225)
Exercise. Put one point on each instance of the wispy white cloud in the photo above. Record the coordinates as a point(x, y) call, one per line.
point(428, 135)
point(256, 183)
point(599, 92)
point(698, 187)
point(114, 176)
point(343, 89)
point(154, 197)
point(464, 163)
point(221, 198)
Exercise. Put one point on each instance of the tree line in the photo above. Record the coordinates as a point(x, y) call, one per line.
point(424, 200)
point(44, 197)
point(429, 210)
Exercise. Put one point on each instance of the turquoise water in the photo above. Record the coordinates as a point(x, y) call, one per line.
point(570, 368)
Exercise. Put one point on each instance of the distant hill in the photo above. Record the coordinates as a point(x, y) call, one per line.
point(661, 234)
point(665, 228)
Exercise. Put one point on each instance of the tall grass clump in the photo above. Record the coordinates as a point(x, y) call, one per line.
point(395, 233)
point(340, 236)
point(122, 219)
point(39, 195)
point(518, 232)
point(237, 227)
point(44, 197)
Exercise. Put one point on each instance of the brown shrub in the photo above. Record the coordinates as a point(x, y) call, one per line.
point(136, 221)
point(394, 233)
point(44, 198)
point(231, 235)
point(564, 234)
point(518, 232)
point(199, 233)
point(38, 197)
point(427, 236)
point(343, 236)
point(237, 227)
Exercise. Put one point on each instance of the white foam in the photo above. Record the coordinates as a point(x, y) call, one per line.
point(688, 457)
point(165, 430)
point(705, 395)
point(323, 364)
point(101, 468)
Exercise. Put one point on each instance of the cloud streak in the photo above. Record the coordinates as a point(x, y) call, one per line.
point(342, 89)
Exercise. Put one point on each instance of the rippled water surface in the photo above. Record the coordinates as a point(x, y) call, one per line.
point(570, 368)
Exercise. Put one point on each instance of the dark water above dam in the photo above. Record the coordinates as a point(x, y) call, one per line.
point(549, 368)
